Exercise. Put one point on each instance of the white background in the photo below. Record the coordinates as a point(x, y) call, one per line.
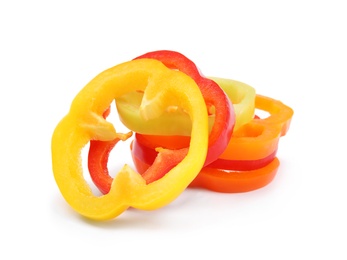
point(293, 51)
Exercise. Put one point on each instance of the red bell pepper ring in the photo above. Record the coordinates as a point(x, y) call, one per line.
point(213, 95)
point(144, 149)
point(219, 136)
point(225, 181)
point(98, 159)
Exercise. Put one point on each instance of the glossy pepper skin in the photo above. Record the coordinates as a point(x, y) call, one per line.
point(231, 181)
point(243, 98)
point(250, 159)
point(215, 99)
point(252, 145)
point(256, 143)
point(85, 122)
point(176, 122)
point(214, 96)
point(226, 181)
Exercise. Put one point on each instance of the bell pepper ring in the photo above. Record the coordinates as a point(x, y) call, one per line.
point(225, 181)
point(230, 181)
point(176, 122)
point(260, 137)
point(85, 122)
point(252, 146)
point(256, 142)
point(241, 95)
point(217, 102)
point(214, 96)
point(144, 147)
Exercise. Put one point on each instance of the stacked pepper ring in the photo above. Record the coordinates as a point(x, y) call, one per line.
point(85, 122)
point(249, 162)
point(190, 131)
point(217, 103)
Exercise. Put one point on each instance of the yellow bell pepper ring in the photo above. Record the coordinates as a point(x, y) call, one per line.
point(175, 121)
point(162, 88)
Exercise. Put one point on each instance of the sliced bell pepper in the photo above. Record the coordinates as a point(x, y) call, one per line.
point(85, 122)
point(242, 97)
point(252, 146)
point(259, 138)
point(217, 102)
point(214, 96)
point(243, 165)
point(251, 162)
point(175, 121)
point(225, 181)
point(144, 147)
point(229, 181)
point(167, 134)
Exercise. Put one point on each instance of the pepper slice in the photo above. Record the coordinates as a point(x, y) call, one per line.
point(164, 133)
point(214, 96)
point(252, 146)
point(144, 147)
point(217, 102)
point(175, 121)
point(251, 160)
point(225, 181)
point(85, 122)
point(242, 97)
point(260, 137)
point(228, 181)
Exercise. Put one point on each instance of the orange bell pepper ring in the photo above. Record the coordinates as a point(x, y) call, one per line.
point(229, 181)
point(249, 161)
point(85, 122)
point(175, 120)
point(255, 144)
point(226, 181)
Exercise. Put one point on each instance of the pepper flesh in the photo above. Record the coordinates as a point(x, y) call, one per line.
point(252, 146)
point(85, 122)
point(241, 95)
point(175, 121)
point(144, 147)
point(229, 181)
point(215, 99)
point(259, 138)
point(214, 96)
point(226, 181)
point(251, 160)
